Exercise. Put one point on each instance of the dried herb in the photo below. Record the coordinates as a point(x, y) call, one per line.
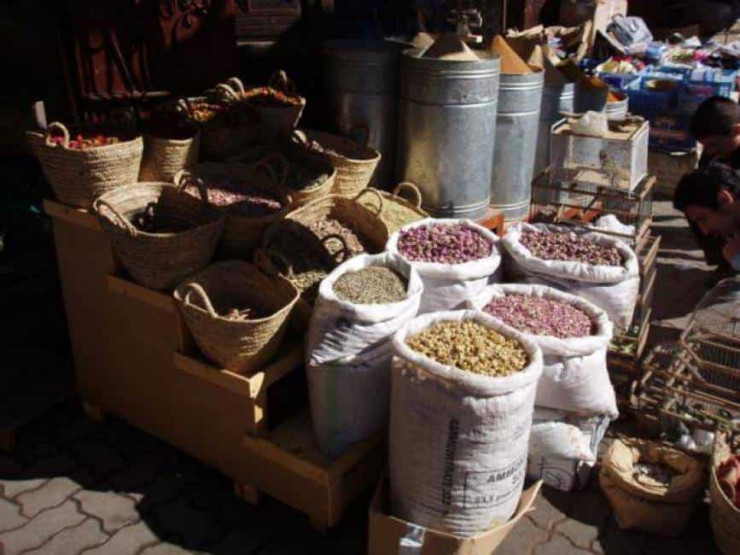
point(340, 241)
point(540, 316)
point(373, 285)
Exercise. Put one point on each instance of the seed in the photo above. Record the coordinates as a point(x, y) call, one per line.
point(568, 247)
point(443, 244)
point(540, 316)
point(470, 346)
point(374, 285)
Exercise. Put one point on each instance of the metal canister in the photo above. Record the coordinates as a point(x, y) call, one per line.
point(361, 81)
point(447, 130)
point(591, 99)
point(517, 126)
point(617, 110)
point(555, 100)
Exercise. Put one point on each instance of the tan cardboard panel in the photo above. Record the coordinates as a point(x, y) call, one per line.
point(69, 214)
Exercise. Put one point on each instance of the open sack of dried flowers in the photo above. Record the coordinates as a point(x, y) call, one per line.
point(601, 269)
point(651, 486)
point(160, 234)
point(456, 259)
point(462, 396)
point(574, 336)
point(393, 208)
point(313, 240)
point(724, 493)
point(82, 167)
point(360, 305)
point(237, 314)
point(251, 199)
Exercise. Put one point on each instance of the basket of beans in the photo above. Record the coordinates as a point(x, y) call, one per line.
point(80, 167)
point(355, 162)
point(237, 314)
point(171, 145)
point(249, 197)
point(160, 234)
point(393, 208)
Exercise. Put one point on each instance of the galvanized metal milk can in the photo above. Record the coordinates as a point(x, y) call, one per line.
point(517, 126)
point(361, 82)
point(617, 110)
point(555, 100)
point(447, 130)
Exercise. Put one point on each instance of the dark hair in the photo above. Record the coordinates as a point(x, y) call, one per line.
point(715, 116)
point(703, 186)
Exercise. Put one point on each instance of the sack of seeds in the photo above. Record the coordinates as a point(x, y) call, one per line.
point(601, 269)
point(360, 305)
point(462, 396)
point(456, 259)
point(574, 336)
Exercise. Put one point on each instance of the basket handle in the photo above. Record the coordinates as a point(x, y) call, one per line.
point(235, 84)
point(57, 126)
point(345, 249)
point(279, 80)
point(187, 179)
point(365, 134)
point(122, 221)
point(372, 192)
point(229, 94)
point(264, 260)
point(411, 187)
point(196, 288)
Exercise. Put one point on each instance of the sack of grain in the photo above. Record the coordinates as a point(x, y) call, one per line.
point(575, 377)
point(360, 305)
point(458, 438)
point(601, 269)
point(456, 259)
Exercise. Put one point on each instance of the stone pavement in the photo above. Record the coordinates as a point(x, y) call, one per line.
point(71, 485)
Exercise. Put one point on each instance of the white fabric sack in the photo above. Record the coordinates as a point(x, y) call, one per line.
point(458, 441)
point(448, 286)
point(348, 356)
point(612, 288)
point(575, 376)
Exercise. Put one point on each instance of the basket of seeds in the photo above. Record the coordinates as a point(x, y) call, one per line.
point(355, 162)
point(250, 198)
point(393, 208)
point(237, 314)
point(160, 234)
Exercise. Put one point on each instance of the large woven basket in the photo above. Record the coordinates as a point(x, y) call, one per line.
point(355, 162)
point(238, 345)
point(163, 158)
point(723, 515)
point(309, 260)
point(392, 208)
point(160, 260)
point(78, 176)
point(241, 234)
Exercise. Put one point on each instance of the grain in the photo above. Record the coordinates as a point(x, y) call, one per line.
point(373, 285)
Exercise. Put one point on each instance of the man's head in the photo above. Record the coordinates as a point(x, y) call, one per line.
point(706, 196)
point(716, 125)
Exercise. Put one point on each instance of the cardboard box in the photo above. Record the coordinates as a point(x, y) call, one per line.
point(386, 532)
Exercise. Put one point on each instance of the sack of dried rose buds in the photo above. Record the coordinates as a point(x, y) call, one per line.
point(575, 376)
point(455, 259)
point(601, 269)
point(458, 438)
point(348, 347)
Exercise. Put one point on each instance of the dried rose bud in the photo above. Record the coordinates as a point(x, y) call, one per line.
point(443, 244)
point(567, 247)
point(540, 316)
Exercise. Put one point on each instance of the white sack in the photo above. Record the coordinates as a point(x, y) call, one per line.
point(348, 356)
point(458, 441)
point(575, 375)
point(448, 286)
point(612, 288)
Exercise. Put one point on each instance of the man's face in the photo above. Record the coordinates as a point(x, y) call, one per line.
point(717, 223)
point(721, 146)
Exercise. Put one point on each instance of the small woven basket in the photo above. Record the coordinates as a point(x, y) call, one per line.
point(241, 234)
point(241, 346)
point(392, 208)
point(160, 260)
point(163, 158)
point(355, 162)
point(79, 176)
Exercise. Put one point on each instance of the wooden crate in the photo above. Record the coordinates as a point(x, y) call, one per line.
point(288, 466)
point(670, 167)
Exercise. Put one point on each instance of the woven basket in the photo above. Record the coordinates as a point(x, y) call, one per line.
point(241, 234)
point(723, 515)
point(163, 158)
point(238, 345)
point(309, 260)
point(160, 260)
point(78, 176)
point(392, 208)
point(355, 162)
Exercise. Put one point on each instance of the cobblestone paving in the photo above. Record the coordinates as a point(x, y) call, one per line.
point(71, 486)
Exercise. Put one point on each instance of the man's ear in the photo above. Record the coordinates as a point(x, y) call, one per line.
point(725, 197)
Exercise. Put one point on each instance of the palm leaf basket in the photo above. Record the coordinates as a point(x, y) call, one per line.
point(240, 345)
point(392, 208)
point(164, 157)
point(182, 235)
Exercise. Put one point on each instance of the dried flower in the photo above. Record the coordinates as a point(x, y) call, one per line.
point(444, 244)
point(470, 346)
point(549, 245)
point(239, 198)
point(373, 285)
point(540, 316)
